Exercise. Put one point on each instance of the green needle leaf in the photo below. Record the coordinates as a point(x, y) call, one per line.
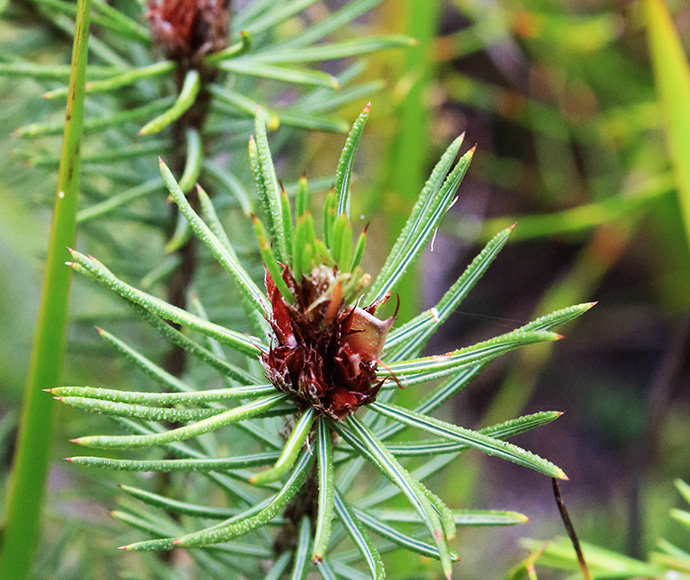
point(238, 527)
point(346, 162)
point(324, 453)
point(187, 432)
point(424, 369)
point(360, 538)
point(336, 50)
point(302, 549)
point(390, 533)
point(474, 439)
point(223, 253)
point(167, 465)
point(290, 452)
point(103, 276)
point(185, 100)
point(271, 189)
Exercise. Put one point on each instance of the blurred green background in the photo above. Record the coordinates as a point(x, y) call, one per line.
point(575, 143)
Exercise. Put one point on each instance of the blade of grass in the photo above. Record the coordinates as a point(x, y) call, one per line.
point(672, 75)
point(407, 166)
point(26, 486)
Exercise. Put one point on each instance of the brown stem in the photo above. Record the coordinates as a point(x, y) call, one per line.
point(570, 529)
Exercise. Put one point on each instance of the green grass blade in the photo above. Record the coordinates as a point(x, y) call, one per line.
point(26, 484)
point(324, 454)
point(672, 75)
point(474, 439)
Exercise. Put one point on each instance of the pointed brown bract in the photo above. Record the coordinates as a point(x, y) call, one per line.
point(325, 352)
point(188, 28)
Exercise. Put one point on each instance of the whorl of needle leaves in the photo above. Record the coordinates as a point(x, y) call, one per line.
point(326, 358)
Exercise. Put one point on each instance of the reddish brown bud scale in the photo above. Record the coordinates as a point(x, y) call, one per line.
point(325, 352)
point(184, 29)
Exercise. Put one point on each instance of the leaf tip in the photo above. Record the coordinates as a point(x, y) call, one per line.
point(47, 390)
point(122, 547)
point(317, 559)
point(367, 108)
point(78, 440)
point(69, 459)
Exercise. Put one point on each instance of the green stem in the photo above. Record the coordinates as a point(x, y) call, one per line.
point(408, 167)
point(26, 487)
